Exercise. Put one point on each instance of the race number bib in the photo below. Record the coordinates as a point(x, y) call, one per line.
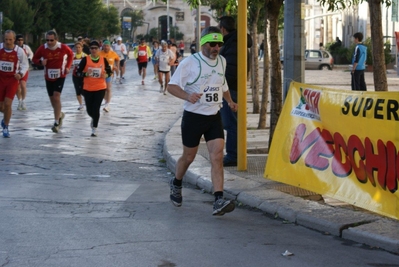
point(142, 53)
point(76, 62)
point(212, 94)
point(96, 72)
point(54, 73)
point(6, 66)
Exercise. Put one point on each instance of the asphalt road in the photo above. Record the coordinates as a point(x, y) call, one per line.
point(69, 199)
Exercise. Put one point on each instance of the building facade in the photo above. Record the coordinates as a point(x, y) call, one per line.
point(323, 26)
point(155, 16)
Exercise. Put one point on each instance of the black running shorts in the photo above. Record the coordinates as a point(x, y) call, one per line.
point(55, 86)
point(194, 125)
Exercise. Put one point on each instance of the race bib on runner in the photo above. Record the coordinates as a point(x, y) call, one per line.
point(6, 66)
point(54, 73)
point(142, 53)
point(96, 72)
point(212, 94)
point(76, 62)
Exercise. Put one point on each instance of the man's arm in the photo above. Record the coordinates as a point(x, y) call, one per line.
point(37, 57)
point(233, 106)
point(180, 93)
point(23, 62)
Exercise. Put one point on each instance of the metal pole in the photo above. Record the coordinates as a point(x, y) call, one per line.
point(294, 44)
point(198, 31)
point(167, 19)
point(242, 84)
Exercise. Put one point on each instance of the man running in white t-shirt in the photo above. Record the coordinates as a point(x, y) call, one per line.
point(200, 81)
point(121, 50)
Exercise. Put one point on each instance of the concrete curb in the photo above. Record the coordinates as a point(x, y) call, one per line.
point(361, 227)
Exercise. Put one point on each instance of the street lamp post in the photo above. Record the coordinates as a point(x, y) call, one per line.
point(167, 19)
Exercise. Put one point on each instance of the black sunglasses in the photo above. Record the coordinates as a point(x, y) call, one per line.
point(50, 40)
point(213, 44)
point(93, 47)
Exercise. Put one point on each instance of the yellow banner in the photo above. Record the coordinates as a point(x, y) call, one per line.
point(342, 144)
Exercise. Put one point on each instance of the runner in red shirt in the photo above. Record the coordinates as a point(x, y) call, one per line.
point(142, 52)
point(13, 66)
point(57, 59)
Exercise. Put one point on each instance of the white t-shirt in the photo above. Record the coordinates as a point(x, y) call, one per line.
point(120, 49)
point(197, 73)
point(163, 59)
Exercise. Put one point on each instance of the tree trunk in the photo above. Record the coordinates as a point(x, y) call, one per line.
point(255, 64)
point(266, 74)
point(276, 87)
point(379, 67)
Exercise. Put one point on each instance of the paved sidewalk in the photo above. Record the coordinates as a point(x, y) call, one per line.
point(286, 202)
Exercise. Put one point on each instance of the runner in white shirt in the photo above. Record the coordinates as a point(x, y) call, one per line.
point(21, 93)
point(200, 81)
point(164, 59)
point(121, 50)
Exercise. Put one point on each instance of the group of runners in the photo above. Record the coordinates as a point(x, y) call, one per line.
point(199, 81)
point(58, 60)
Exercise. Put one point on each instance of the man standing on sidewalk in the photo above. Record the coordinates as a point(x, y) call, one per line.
point(229, 51)
point(200, 81)
point(359, 64)
point(13, 66)
point(57, 59)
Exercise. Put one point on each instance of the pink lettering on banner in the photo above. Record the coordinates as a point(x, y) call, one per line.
point(370, 163)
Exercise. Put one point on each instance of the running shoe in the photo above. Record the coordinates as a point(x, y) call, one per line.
point(155, 77)
point(81, 107)
point(19, 105)
point(3, 125)
point(23, 105)
point(6, 133)
point(61, 120)
point(106, 108)
point(161, 89)
point(55, 128)
point(93, 132)
point(142, 82)
point(222, 206)
point(175, 194)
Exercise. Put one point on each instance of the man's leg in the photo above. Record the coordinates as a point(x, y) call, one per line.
point(220, 206)
point(181, 167)
point(362, 82)
point(167, 79)
point(185, 160)
point(144, 73)
point(356, 80)
point(215, 149)
point(55, 100)
point(7, 110)
point(107, 96)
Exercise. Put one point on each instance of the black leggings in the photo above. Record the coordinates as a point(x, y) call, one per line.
point(93, 101)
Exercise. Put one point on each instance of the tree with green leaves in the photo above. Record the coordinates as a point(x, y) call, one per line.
point(84, 17)
point(375, 9)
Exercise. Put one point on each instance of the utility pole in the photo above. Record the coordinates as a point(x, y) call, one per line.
point(198, 31)
point(294, 43)
point(167, 19)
